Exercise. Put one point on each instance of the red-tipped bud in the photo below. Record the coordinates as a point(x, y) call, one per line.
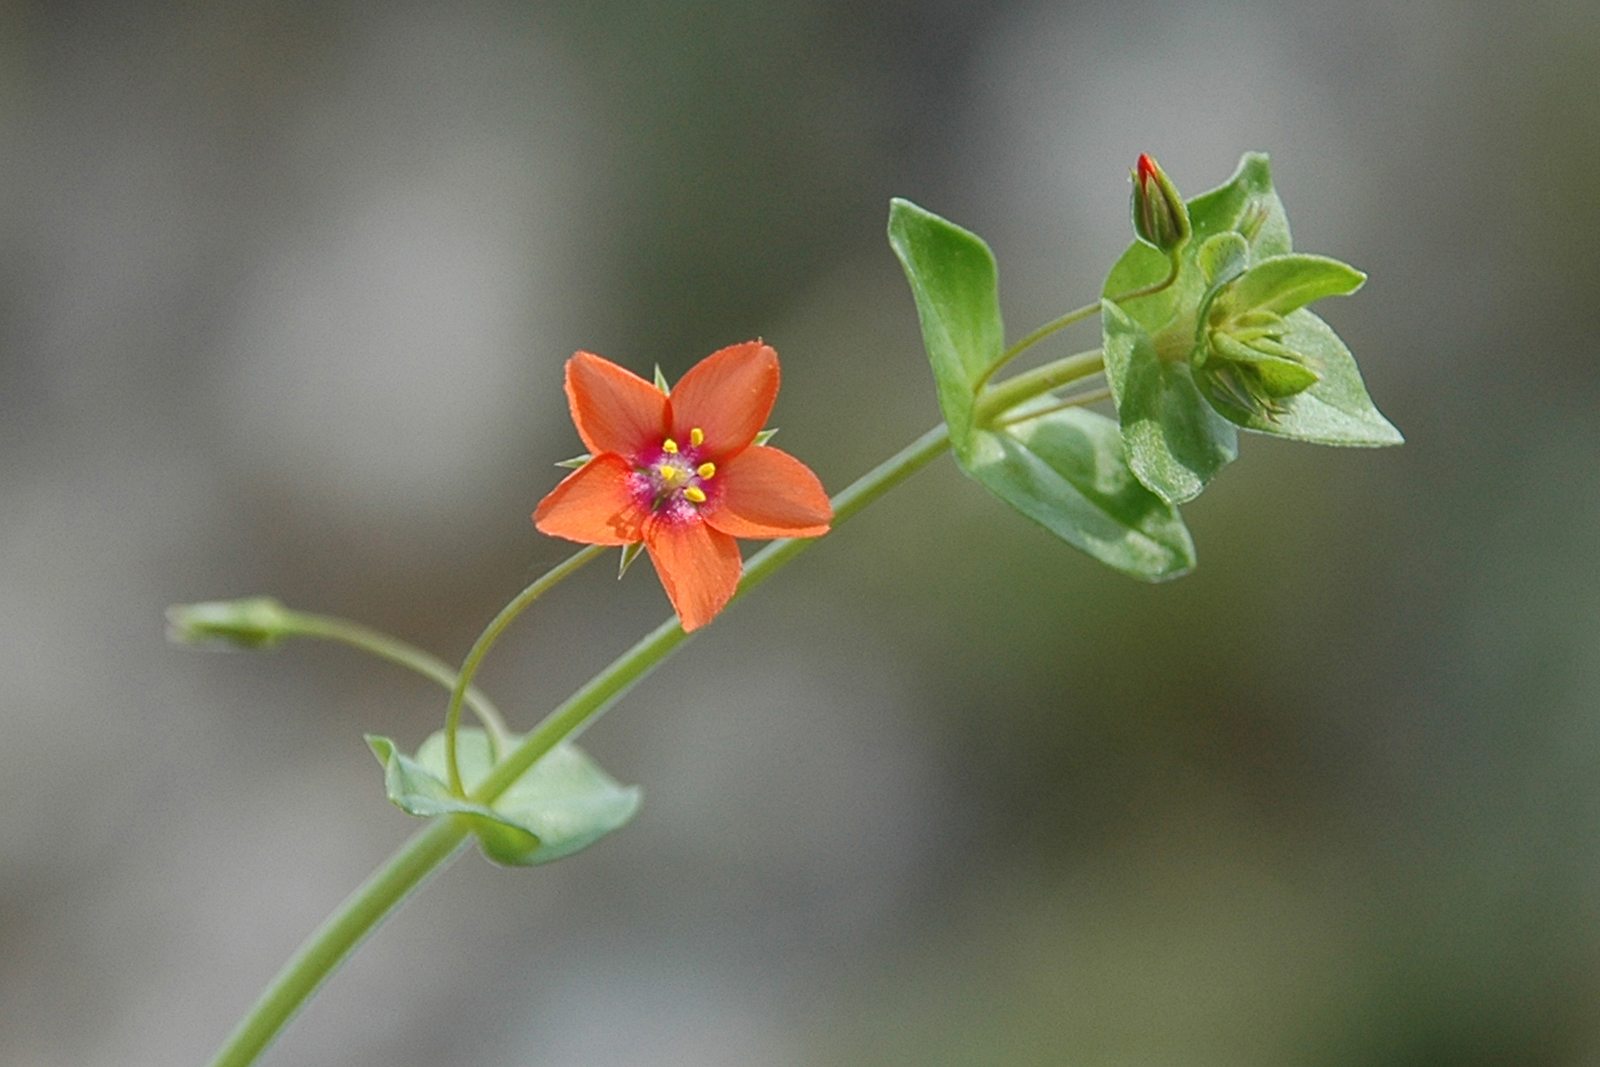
point(1159, 214)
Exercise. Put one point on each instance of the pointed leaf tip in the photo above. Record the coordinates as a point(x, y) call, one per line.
point(562, 805)
point(955, 284)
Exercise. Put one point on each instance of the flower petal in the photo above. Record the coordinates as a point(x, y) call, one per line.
point(594, 505)
point(727, 396)
point(699, 567)
point(763, 492)
point(614, 409)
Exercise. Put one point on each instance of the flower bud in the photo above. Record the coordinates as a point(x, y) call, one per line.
point(254, 622)
point(1251, 372)
point(1159, 214)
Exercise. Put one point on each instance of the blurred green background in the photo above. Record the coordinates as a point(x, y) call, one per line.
point(285, 289)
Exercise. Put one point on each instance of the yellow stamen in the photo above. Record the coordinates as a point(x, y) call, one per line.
point(696, 494)
point(669, 474)
point(697, 437)
point(670, 446)
point(706, 470)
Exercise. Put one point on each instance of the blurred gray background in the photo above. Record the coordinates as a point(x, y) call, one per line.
point(285, 289)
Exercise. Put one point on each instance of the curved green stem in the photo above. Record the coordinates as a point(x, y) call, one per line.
point(999, 399)
point(331, 628)
point(1075, 315)
point(1152, 290)
point(1077, 400)
point(486, 640)
point(431, 847)
point(1053, 326)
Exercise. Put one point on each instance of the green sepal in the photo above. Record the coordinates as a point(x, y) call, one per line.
point(1176, 442)
point(955, 284)
point(661, 382)
point(575, 462)
point(564, 803)
point(766, 435)
point(1281, 284)
point(1336, 410)
point(1067, 471)
point(1281, 374)
point(629, 554)
point(1222, 259)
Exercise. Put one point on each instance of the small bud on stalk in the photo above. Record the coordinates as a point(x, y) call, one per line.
point(1159, 214)
point(256, 622)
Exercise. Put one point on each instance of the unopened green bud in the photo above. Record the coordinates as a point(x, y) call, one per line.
point(1254, 377)
point(1159, 214)
point(254, 622)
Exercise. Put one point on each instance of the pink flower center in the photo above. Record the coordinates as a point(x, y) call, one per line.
point(674, 481)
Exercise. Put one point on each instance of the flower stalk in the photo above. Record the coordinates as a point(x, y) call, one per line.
point(480, 648)
point(264, 623)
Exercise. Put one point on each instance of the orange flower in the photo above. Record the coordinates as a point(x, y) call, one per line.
point(682, 473)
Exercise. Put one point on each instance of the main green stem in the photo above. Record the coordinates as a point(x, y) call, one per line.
point(429, 849)
point(320, 955)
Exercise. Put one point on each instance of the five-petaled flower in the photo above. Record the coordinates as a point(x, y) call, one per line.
point(682, 472)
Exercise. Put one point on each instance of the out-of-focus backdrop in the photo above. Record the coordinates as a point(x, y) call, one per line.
point(285, 290)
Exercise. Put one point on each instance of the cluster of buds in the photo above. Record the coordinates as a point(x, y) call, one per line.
point(1244, 363)
point(1240, 358)
point(1244, 352)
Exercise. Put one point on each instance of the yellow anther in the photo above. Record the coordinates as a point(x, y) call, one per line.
point(706, 470)
point(696, 494)
point(668, 473)
point(670, 446)
point(697, 437)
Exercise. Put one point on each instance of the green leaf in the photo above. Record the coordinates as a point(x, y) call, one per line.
point(1247, 204)
point(562, 804)
point(1283, 283)
point(1176, 442)
point(955, 284)
point(1067, 471)
point(1334, 411)
point(1141, 267)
